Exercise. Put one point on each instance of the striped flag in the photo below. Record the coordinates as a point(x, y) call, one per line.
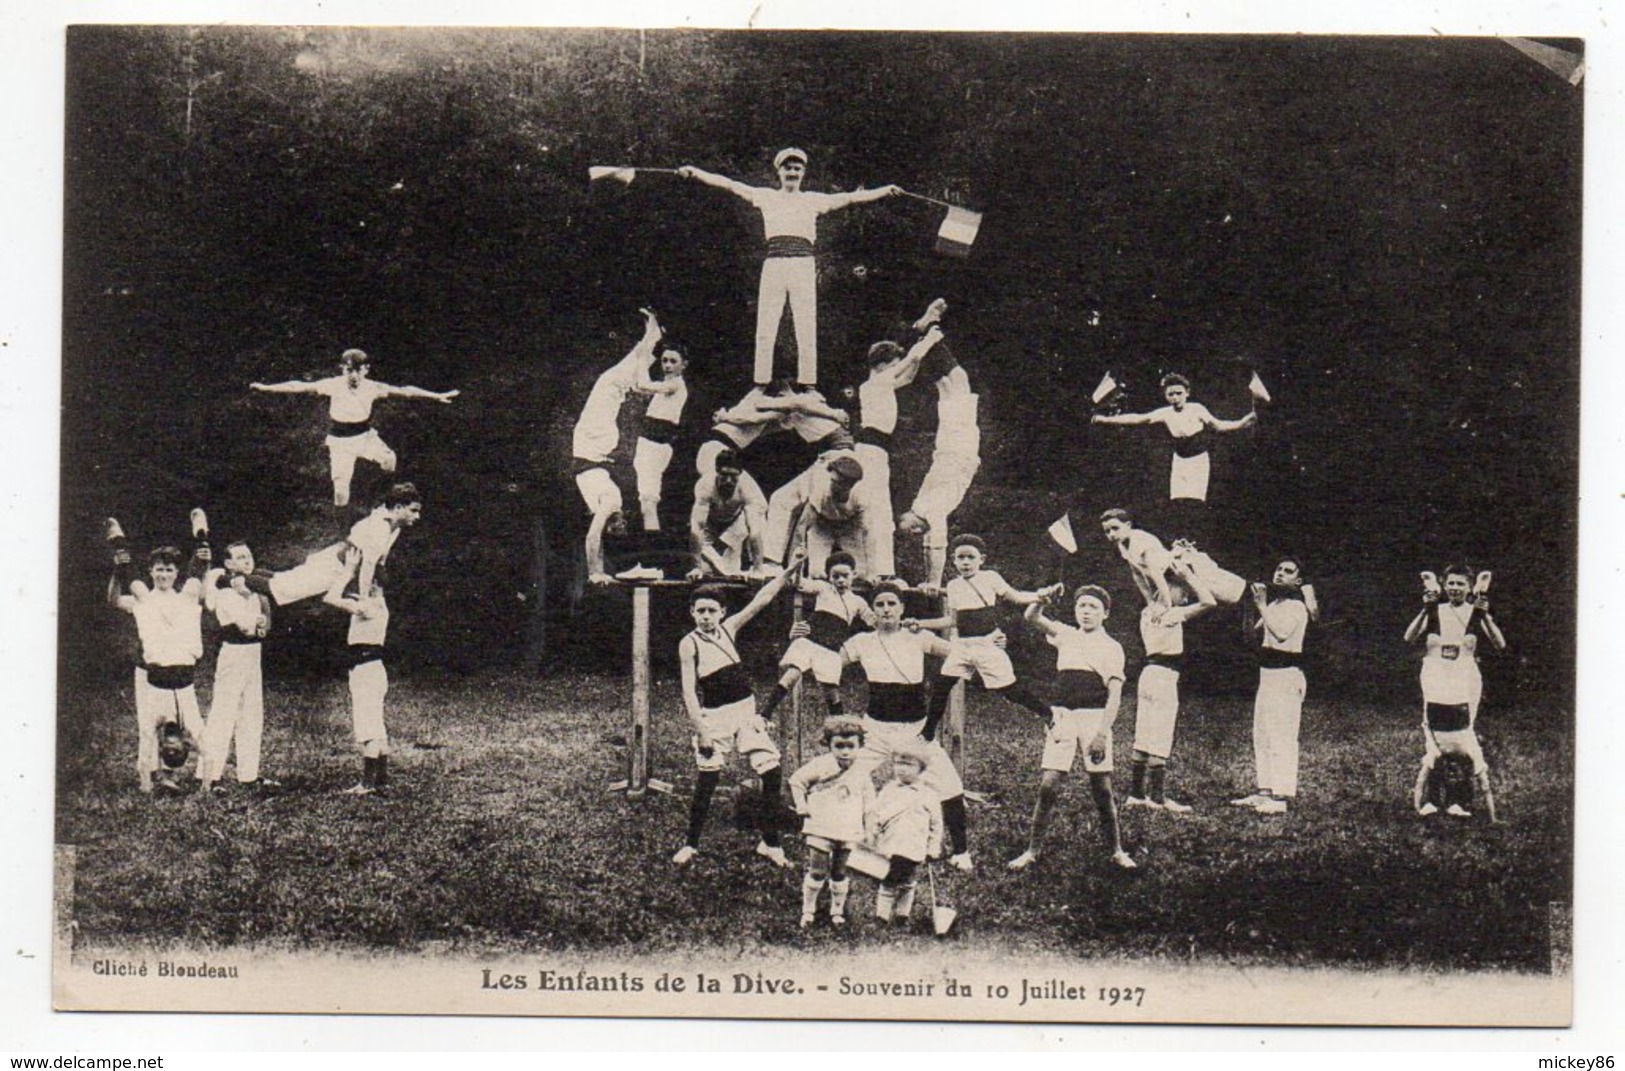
point(958, 231)
point(1061, 532)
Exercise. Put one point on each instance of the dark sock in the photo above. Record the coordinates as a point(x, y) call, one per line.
point(940, 691)
point(1136, 785)
point(773, 701)
point(772, 786)
point(956, 821)
point(369, 771)
point(832, 700)
point(381, 778)
point(1101, 789)
point(698, 807)
point(1158, 778)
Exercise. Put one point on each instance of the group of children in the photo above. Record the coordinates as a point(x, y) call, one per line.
point(348, 575)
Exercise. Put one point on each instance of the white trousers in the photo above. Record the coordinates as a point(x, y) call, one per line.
point(236, 714)
point(156, 705)
point(1277, 712)
point(368, 686)
point(792, 280)
point(876, 489)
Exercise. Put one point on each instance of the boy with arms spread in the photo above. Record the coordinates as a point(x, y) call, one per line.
point(789, 274)
point(837, 612)
point(721, 707)
point(350, 396)
point(834, 797)
point(1089, 664)
point(1452, 685)
point(1191, 426)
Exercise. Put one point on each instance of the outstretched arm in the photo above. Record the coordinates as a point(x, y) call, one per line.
point(904, 371)
point(720, 182)
point(767, 594)
point(1031, 598)
point(858, 197)
point(418, 392)
point(1232, 425)
point(1034, 615)
point(291, 386)
point(1125, 420)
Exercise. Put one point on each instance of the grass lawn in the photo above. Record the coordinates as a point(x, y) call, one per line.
point(499, 836)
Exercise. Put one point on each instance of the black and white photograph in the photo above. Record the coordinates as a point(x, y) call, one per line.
point(1024, 526)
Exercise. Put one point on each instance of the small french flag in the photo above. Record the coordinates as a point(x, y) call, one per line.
point(1061, 532)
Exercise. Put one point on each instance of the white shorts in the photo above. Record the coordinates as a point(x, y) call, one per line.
point(344, 450)
point(599, 490)
point(1456, 742)
point(882, 739)
point(942, 490)
point(1072, 731)
point(649, 461)
point(980, 656)
point(368, 686)
point(1156, 709)
point(809, 657)
point(736, 727)
point(1188, 477)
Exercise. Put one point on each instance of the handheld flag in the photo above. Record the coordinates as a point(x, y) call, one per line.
point(1257, 389)
point(958, 231)
point(623, 175)
point(1566, 65)
point(1108, 387)
point(1061, 532)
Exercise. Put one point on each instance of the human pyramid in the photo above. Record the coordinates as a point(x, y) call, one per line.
point(886, 798)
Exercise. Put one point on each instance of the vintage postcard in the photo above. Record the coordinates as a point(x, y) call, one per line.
point(912, 525)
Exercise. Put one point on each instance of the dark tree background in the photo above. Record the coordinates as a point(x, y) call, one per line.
point(1387, 230)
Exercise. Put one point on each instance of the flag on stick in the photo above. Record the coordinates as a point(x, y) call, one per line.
point(1061, 532)
point(623, 175)
point(958, 231)
point(1108, 387)
point(1566, 65)
point(1257, 389)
